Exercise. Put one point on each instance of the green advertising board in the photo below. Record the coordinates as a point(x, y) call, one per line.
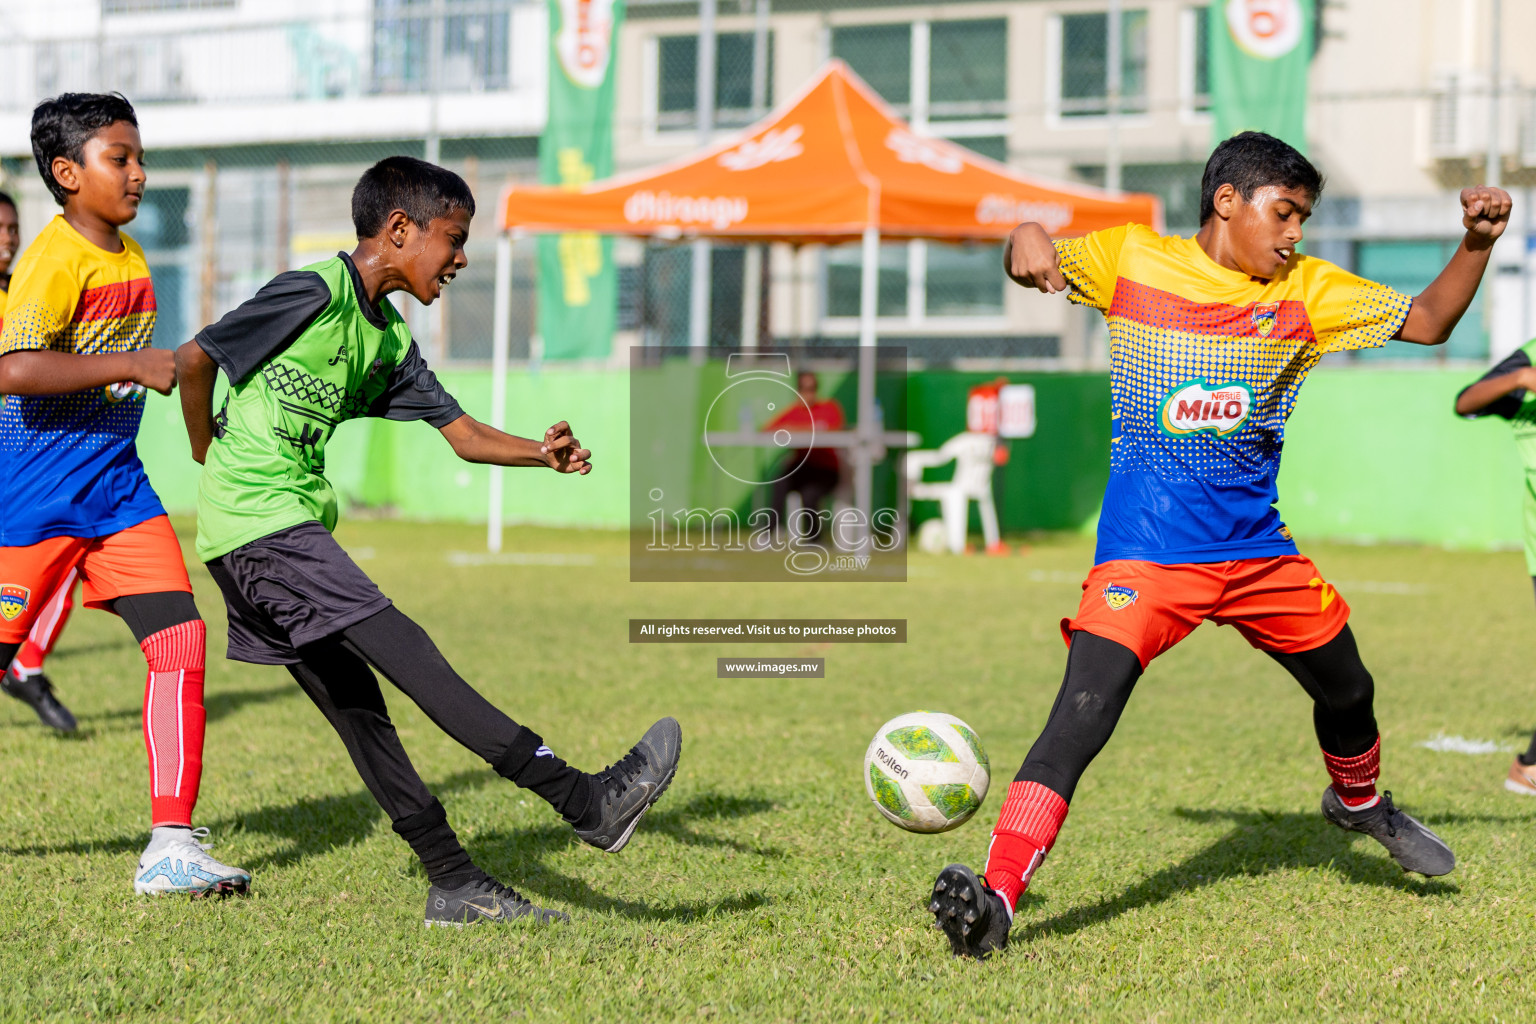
point(578, 286)
point(1260, 53)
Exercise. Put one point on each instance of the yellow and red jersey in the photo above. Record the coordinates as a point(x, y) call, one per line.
point(71, 469)
point(1205, 365)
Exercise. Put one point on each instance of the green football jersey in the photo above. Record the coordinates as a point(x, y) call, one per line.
point(1519, 408)
point(305, 354)
point(1523, 419)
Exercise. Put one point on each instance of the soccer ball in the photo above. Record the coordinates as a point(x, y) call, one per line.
point(926, 771)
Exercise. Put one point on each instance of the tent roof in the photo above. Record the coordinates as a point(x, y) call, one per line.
point(829, 163)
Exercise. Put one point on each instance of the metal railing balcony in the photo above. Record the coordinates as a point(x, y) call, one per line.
point(404, 47)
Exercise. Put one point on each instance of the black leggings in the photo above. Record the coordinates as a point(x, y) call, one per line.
point(335, 674)
point(1101, 674)
point(145, 614)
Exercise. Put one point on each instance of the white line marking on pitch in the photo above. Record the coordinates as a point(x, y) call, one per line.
point(1443, 744)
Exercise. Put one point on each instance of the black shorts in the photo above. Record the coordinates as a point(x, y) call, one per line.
point(288, 589)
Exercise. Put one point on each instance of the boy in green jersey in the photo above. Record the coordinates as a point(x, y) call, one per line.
point(1509, 390)
point(311, 349)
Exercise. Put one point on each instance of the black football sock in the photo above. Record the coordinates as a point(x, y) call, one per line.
point(447, 862)
point(532, 765)
point(1529, 757)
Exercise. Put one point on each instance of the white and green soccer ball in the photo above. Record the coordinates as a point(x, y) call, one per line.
point(926, 771)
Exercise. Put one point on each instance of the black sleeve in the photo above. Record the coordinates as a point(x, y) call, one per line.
point(266, 323)
point(1510, 404)
point(414, 393)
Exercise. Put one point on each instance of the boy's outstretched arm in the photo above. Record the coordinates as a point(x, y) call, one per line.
point(1485, 392)
point(1437, 309)
point(473, 441)
point(1031, 260)
point(197, 374)
point(45, 372)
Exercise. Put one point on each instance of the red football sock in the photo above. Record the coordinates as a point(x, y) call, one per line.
point(29, 659)
point(1354, 778)
point(45, 631)
point(174, 720)
point(1026, 830)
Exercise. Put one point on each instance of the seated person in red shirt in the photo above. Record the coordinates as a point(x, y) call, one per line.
point(812, 472)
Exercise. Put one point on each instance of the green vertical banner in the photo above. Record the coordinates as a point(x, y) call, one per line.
point(1260, 53)
point(578, 286)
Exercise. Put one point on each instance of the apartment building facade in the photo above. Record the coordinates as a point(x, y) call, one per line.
point(258, 115)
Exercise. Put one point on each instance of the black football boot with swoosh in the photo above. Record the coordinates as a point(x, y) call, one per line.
point(484, 902)
point(628, 788)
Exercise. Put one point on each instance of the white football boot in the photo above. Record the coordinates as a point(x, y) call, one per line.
point(175, 861)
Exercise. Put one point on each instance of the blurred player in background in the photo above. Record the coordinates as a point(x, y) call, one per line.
point(23, 677)
point(314, 348)
point(1509, 391)
point(74, 364)
point(10, 242)
point(1211, 338)
point(813, 473)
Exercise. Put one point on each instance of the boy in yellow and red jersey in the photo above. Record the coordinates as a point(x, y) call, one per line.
point(23, 678)
point(74, 366)
point(1210, 339)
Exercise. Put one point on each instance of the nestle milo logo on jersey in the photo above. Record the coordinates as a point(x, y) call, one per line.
point(1195, 407)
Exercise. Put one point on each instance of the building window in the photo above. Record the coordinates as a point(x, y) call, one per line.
point(1195, 73)
point(1410, 266)
point(474, 46)
point(1176, 184)
point(882, 56)
point(1083, 83)
point(677, 85)
point(919, 281)
point(963, 280)
point(967, 70)
point(845, 267)
point(993, 147)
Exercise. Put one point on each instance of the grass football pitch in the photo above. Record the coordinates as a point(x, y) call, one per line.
point(1195, 879)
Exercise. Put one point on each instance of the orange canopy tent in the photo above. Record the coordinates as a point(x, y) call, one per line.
point(829, 165)
point(833, 164)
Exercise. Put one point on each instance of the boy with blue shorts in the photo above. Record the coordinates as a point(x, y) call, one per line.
point(75, 363)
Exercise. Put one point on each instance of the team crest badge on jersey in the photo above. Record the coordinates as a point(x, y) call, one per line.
point(1118, 597)
point(1264, 314)
point(123, 391)
point(1195, 407)
point(13, 601)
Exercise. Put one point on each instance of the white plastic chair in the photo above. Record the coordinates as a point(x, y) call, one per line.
point(972, 455)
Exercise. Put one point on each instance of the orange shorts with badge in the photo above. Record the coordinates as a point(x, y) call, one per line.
point(1279, 604)
point(143, 559)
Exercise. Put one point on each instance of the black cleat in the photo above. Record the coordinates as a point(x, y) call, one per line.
point(969, 912)
point(632, 784)
point(485, 900)
point(1414, 847)
point(37, 693)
